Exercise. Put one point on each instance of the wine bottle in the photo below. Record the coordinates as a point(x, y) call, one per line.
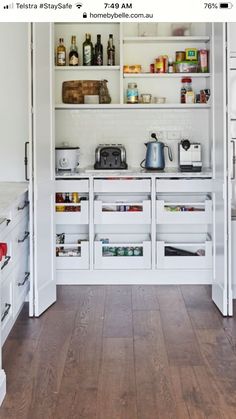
point(73, 54)
point(87, 50)
point(98, 56)
point(110, 51)
point(61, 53)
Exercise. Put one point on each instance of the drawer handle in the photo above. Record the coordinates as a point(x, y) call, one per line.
point(7, 309)
point(8, 221)
point(26, 203)
point(7, 260)
point(24, 238)
point(20, 284)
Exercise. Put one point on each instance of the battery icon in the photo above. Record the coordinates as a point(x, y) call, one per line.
point(226, 5)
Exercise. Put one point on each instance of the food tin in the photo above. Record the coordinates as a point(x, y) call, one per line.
point(138, 251)
point(120, 251)
point(179, 56)
point(129, 251)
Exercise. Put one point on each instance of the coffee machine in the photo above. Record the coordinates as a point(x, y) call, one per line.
point(190, 156)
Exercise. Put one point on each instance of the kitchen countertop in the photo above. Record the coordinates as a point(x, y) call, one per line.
point(9, 192)
point(172, 172)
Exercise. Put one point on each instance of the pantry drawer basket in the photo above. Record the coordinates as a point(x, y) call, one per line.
point(73, 91)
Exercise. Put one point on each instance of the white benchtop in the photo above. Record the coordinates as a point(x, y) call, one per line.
point(172, 172)
point(10, 192)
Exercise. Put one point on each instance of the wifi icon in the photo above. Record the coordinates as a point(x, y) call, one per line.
point(79, 5)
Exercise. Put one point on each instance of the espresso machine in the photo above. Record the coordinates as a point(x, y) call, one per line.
point(190, 156)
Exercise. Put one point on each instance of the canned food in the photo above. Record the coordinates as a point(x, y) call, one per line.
point(179, 56)
point(138, 251)
point(129, 251)
point(120, 251)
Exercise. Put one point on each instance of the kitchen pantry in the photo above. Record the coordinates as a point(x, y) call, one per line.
point(131, 212)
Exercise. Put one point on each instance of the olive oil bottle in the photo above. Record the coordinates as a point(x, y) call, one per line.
point(73, 54)
point(87, 50)
point(61, 53)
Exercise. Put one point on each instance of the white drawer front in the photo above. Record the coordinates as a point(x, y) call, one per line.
point(20, 209)
point(74, 262)
point(21, 284)
point(76, 185)
point(183, 185)
point(122, 262)
point(184, 262)
point(73, 217)
point(6, 309)
point(118, 211)
point(184, 212)
point(122, 185)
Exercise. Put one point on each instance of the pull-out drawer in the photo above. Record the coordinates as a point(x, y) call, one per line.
point(21, 284)
point(121, 210)
point(7, 262)
point(6, 309)
point(72, 213)
point(184, 251)
point(20, 240)
point(76, 185)
point(73, 253)
point(20, 209)
point(122, 252)
point(120, 185)
point(184, 210)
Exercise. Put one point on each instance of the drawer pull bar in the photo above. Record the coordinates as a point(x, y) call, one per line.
point(8, 221)
point(26, 203)
point(20, 284)
point(7, 260)
point(7, 309)
point(25, 237)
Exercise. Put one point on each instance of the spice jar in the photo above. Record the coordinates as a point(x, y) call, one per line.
point(132, 93)
point(186, 87)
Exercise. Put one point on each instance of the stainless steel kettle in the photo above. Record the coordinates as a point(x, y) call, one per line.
point(155, 157)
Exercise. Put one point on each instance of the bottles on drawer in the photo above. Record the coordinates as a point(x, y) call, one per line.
point(67, 198)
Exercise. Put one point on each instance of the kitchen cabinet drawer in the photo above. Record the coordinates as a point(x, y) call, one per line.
point(114, 185)
point(73, 262)
point(189, 243)
point(7, 261)
point(120, 210)
point(76, 185)
point(104, 253)
point(232, 63)
point(21, 285)
point(20, 240)
point(184, 210)
point(183, 185)
point(20, 209)
point(73, 217)
point(6, 310)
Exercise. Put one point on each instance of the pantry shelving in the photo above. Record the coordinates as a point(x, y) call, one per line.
point(86, 68)
point(164, 75)
point(137, 106)
point(166, 39)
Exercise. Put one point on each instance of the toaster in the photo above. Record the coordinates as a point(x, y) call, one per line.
point(110, 156)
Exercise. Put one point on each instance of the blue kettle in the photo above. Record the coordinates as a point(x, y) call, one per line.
point(155, 157)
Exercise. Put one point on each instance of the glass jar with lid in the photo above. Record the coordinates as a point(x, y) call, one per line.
point(186, 87)
point(132, 93)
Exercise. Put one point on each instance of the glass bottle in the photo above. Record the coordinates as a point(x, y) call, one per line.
point(87, 50)
point(73, 54)
point(110, 51)
point(98, 56)
point(61, 53)
point(186, 87)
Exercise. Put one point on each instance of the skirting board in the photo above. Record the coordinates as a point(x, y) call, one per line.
point(139, 277)
point(2, 385)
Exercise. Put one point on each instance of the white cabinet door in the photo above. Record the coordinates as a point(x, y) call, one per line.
point(221, 288)
point(43, 169)
point(232, 38)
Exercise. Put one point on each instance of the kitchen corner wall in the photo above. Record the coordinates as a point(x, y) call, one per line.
point(88, 128)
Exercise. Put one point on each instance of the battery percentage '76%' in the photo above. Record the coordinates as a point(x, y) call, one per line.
point(210, 6)
point(118, 6)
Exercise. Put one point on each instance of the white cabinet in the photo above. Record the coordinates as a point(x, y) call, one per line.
point(232, 39)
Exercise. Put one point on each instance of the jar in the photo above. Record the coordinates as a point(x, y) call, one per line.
point(186, 87)
point(132, 93)
point(146, 98)
point(75, 197)
point(179, 56)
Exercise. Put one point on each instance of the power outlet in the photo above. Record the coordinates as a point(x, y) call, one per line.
point(159, 133)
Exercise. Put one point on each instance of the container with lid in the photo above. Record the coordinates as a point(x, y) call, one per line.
point(67, 158)
point(132, 93)
point(186, 87)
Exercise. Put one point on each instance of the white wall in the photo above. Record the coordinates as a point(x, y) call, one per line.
point(87, 129)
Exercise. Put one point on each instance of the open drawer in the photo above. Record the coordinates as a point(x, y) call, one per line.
point(122, 210)
point(73, 253)
point(21, 285)
point(72, 213)
point(184, 251)
point(184, 210)
point(120, 251)
point(115, 185)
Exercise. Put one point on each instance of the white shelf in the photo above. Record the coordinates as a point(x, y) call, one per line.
point(165, 75)
point(138, 106)
point(170, 39)
point(88, 68)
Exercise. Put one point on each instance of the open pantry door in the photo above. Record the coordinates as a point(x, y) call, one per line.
point(221, 288)
point(43, 169)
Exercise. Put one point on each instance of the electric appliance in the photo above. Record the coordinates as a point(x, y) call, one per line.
point(67, 158)
point(110, 156)
point(190, 156)
point(155, 157)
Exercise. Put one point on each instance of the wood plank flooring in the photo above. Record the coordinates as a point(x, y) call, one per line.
point(123, 352)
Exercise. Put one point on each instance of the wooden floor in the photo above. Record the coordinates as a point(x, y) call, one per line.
point(122, 352)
